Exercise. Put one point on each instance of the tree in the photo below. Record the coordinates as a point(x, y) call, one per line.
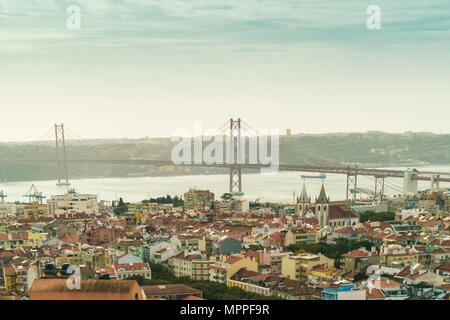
point(121, 207)
point(376, 216)
point(210, 290)
point(226, 196)
point(139, 279)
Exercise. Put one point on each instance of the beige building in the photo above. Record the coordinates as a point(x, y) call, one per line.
point(190, 265)
point(35, 210)
point(72, 202)
point(198, 199)
point(396, 253)
point(7, 209)
point(300, 266)
point(227, 265)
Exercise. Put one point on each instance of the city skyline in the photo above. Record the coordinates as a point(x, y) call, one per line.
point(139, 68)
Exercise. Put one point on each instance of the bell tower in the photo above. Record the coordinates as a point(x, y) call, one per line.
point(303, 202)
point(322, 208)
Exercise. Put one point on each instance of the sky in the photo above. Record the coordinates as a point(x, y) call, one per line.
point(140, 68)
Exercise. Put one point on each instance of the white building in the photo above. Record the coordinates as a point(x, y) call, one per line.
point(72, 202)
point(125, 270)
point(10, 209)
point(160, 252)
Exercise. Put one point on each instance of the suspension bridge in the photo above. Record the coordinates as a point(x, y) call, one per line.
point(236, 131)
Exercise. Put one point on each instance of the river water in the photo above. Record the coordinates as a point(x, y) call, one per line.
point(272, 187)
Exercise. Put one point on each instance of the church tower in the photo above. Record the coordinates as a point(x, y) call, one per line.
point(322, 208)
point(303, 202)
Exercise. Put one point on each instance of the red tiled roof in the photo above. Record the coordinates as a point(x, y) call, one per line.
point(169, 289)
point(341, 212)
point(233, 259)
point(190, 297)
point(132, 266)
point(444, 267)
point(374, 294)
point(357, 254)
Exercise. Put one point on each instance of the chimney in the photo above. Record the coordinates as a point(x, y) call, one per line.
point(388, 281)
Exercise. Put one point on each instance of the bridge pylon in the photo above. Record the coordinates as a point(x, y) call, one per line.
point(235, 148)
point(352, 182)
point(379, 187)
point(61, 158)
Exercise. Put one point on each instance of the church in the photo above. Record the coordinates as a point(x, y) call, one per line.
point(331, 214)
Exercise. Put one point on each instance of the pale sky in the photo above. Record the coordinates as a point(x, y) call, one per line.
point(149, 67)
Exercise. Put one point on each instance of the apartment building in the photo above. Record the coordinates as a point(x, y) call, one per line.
point(359, 259)
point(301, 235)
point(198, 199)
point(226, 266)
point(299, 267)
point(35, 210)
point(125, 270)
point(191, 265)
point(396, 253)
point(72, 202)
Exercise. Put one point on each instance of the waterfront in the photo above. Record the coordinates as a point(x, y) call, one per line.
point(272, 187)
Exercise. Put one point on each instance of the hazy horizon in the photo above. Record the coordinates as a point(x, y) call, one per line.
point(293, 134)
point(146, 68)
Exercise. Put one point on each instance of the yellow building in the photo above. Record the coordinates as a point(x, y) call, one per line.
point(323, 273)
point(71, 257)
point(243, 263)
point(246, 222)
point(10, 241)
point(141, 217)
point(35, 238)
point(198, 199)
point(396, 253)
point(253, 239)
point(18, 279)
point(227, 265)
point(299, 267)
point(35, 210)
point(190, 265)
point(301, 235)
point(98, 259)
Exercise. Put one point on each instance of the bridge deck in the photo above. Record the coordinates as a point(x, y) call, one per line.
point(387, 173)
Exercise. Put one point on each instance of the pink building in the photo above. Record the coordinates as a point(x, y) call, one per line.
point(272, 259)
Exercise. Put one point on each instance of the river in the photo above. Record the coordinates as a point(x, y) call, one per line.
point(272, 187)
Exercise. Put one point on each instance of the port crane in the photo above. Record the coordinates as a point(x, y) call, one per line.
point(34, 195)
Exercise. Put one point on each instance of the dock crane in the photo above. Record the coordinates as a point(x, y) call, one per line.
point(2, 195)
point(34, 195)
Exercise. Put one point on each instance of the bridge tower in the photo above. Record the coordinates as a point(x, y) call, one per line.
point(235, 148)
point(352, 182)
point(409, 185)
point(61, 159)
point(379, 187)
point(434, 182)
